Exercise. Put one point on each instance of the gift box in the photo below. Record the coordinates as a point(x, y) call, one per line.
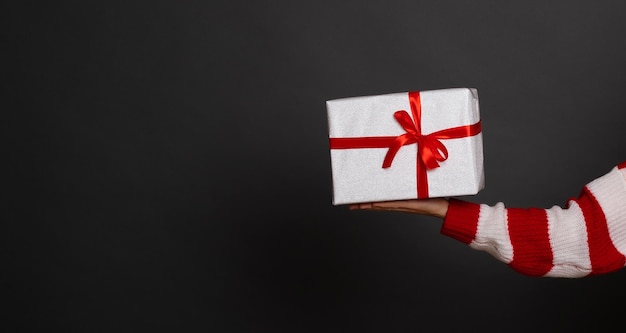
point(396, 146)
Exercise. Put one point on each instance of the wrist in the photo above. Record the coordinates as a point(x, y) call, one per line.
point(441, 208)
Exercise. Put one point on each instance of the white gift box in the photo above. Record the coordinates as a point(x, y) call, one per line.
point(374, 144)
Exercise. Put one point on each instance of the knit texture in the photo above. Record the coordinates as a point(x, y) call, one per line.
point(586, 237)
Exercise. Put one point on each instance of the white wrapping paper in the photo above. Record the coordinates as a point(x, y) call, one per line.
point(358, 175)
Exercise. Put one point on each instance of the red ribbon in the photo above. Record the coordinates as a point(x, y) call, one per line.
point(430, 150)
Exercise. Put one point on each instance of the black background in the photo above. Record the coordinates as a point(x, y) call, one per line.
point(167, 163)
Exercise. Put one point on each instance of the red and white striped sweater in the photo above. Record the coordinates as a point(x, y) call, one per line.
point(587, 237)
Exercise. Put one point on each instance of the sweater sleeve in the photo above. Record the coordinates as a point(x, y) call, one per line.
point(586, 237)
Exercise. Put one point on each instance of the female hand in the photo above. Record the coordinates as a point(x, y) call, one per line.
point(437, 207)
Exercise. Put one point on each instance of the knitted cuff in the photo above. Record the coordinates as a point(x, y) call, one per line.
point(461, 220)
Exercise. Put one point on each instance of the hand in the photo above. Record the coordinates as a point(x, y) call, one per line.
point(437, 207)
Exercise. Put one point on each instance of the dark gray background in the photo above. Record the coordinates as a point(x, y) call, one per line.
point(168, 166)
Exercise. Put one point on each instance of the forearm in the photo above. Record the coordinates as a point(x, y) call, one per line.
point(585, 238)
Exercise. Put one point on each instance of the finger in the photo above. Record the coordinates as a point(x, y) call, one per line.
point(360, 206)
point(399, 204)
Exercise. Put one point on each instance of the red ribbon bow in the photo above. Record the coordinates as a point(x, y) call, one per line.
point(430, 150)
